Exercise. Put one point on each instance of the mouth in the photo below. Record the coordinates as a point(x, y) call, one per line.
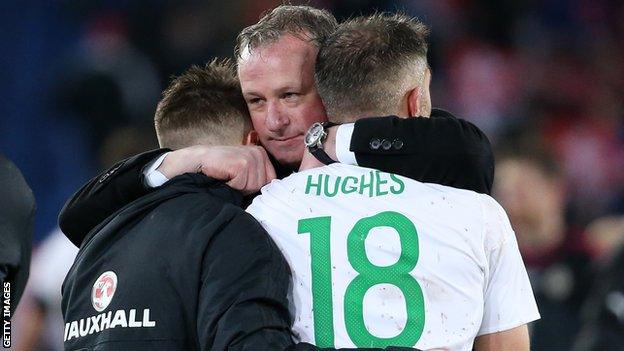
point(289, 142)
point(296, 137)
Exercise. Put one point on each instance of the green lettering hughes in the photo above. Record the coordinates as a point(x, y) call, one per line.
point(380, 182)
point(333, 193)
point(399, 182)
point(316, 185)
point(352, 188)
point(373, 183)
point(369, 185)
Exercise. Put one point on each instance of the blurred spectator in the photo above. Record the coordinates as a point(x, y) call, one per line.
point(16, 219)
point(603, 314)
point(530, 186)
point(107, 82)
point(41, 322)
point(605, 236)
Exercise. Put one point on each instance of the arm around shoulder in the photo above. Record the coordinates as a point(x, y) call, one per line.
point(104, 194)
point(441, 149)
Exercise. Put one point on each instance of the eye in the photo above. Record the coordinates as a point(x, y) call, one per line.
point(254, 101)
point(290, 95)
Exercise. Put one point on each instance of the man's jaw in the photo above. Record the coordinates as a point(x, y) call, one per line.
point(287, 151)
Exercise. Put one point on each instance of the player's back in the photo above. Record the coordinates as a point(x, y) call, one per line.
point(158, 274)
point(382, 260)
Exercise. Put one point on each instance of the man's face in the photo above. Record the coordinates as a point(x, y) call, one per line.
point(530, 198)
point(278, 85)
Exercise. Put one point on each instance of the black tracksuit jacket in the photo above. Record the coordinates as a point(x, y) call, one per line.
point(193, 272)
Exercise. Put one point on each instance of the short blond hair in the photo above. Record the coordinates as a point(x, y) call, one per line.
point(204, 105)
point(366, 65)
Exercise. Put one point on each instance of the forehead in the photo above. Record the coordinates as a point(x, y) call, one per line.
point(289, 61)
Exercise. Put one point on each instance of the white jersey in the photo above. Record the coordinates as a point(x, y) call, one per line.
point(381, 260)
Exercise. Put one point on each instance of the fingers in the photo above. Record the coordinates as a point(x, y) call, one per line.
point(249, 169)
point(268, 166)
point(186, 160)
point(244, 168)
point(256, 171)
point(259, 170)
point(238, 170)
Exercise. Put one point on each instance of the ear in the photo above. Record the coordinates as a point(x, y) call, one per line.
point(251, 138)
point(413, 102)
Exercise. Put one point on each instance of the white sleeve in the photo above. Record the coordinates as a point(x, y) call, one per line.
point(154, 178)
point(343, 144)
point(508, 296)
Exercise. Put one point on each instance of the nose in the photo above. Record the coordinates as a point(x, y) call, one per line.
point(276, 119)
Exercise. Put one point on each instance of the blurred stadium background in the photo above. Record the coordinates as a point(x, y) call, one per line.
point(544, 79)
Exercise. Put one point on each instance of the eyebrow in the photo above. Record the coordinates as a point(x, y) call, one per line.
point(290, 87)
point(253, 93)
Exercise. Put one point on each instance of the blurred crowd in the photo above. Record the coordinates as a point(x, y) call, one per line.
point(544, 80)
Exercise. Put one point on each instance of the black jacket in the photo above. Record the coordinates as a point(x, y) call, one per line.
point(441, 149)
point(17, 212)
point(193, 272)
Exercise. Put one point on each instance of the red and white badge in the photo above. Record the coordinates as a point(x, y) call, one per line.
point(103, 290)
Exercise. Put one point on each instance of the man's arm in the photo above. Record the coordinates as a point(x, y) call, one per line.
point(516, 339)
point(245, 168)
point(104, 195)
point(441, 149)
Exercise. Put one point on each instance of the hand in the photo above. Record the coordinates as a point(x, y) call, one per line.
point(244, 168)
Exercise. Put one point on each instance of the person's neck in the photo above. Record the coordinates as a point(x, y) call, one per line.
point(309, 161)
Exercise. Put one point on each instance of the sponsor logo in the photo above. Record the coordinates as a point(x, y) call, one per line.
point(108, 320)
point(103, 290)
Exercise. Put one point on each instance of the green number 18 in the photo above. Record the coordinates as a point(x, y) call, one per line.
point(397, 274)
